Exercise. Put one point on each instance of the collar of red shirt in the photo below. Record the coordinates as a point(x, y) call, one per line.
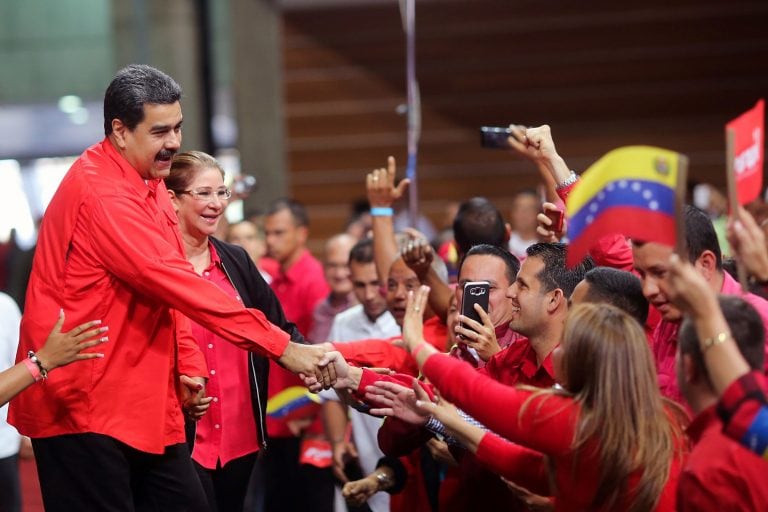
point(526, 361)
point(130, 175)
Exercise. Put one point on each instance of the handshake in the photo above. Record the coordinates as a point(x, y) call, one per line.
point(319, 366)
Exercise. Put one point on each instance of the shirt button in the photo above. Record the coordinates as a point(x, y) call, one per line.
point(210, 345)
point(215, 399)
point(217, 426)
point(213, 372)
point(238, 298)
point(206, 274)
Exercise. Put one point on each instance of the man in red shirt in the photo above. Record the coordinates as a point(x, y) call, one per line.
point(652, 264)
point(299, 286)
point(719, 472)
point(109, 248)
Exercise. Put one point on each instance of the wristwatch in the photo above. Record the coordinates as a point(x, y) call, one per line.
point(384, 480)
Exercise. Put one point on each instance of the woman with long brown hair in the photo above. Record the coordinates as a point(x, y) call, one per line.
point(615, 444)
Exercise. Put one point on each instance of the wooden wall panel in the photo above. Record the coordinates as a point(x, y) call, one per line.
point(602, 74)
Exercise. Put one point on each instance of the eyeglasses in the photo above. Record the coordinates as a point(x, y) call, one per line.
point(207, 194)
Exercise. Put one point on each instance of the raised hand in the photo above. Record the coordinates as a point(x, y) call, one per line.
point(688, 289)
point(481, 337)
point(380, 185)
point(544, 228)
point(747, 241)
point(413, 322)
point(62, 348)
point(418, 255)
point(438, 408)
point(395, 400)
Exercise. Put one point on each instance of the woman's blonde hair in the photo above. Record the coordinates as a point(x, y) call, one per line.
point(609, 371)
point(184, 167)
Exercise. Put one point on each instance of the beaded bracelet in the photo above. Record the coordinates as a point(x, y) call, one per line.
point(32, 357)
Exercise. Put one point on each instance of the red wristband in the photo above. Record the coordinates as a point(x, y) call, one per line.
point(418, 348)
point(33, 369)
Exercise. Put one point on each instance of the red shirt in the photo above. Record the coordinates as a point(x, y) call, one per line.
point(547, 425)
point(109, 249)
point(720, 473)
point(390, 353)
point(299, 289)
point(228, 429)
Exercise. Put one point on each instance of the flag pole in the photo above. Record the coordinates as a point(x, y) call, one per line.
point(408, 15)
point(682, 179)
point(733, 200)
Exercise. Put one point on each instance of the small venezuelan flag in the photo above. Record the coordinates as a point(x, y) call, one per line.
point(630, 191)
point(293, 402)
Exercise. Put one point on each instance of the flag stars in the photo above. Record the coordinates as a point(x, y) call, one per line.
point(653, 205)
point(636, 186)
point(593, 207)
point(647, 194)
point(623, 184)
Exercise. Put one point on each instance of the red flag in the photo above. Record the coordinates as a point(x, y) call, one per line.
point(747, 155)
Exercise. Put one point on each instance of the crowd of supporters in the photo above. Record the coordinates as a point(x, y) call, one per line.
point(634, 380)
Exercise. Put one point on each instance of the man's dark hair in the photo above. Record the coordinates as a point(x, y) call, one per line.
point(700, 235)
point(620, 288)
point(555, 274)
point(133, 87)
point(746, 327)
point(298, 211)
point(362, 251)
point(478, 221)
point(510, 261)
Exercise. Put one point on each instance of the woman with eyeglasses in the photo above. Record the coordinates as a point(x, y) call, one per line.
point(227, 438)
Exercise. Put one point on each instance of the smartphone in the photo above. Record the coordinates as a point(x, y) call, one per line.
point(556, 216)
point(495, 137)
point(475, 292)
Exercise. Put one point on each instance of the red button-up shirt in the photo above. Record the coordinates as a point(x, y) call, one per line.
point(228, 429)
point(720, 474)
point(109, 249)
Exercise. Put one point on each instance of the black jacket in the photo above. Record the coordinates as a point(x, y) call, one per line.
point(255, 293)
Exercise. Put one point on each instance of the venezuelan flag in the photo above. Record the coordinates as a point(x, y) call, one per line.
point(292, 402)
point(630, 191)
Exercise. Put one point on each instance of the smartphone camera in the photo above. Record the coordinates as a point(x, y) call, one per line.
point(495, 137)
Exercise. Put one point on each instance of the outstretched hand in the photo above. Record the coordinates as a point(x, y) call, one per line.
point(438, 408)
point(344, 375)
point(62, 348)
point(380, 185)
point(396, 401)
point(306, 360)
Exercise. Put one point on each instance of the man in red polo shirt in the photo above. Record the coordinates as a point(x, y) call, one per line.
point(108, 433)
point(299, 286)
point(720, 473)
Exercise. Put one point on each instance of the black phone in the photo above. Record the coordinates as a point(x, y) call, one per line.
point(475, 292)
point(495, 137)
